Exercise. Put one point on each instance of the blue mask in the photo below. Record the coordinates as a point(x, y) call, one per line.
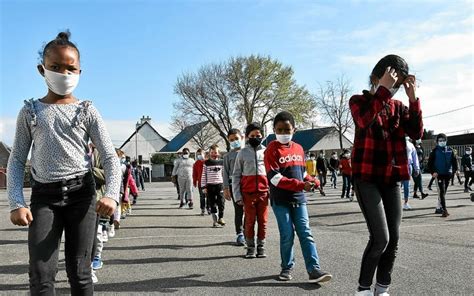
point(442, 144)
point(235, 144)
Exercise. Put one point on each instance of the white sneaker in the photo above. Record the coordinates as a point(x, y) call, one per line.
point(364, 293)
point(105, 236)
point(406, 207)
point(383, 294)
point(111, 230)
point(95, 280)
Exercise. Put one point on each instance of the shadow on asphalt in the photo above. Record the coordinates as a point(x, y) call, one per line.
point(165, 227)
point(170, 247)
point(165, 260)
point(13, 242)
point(169, 285)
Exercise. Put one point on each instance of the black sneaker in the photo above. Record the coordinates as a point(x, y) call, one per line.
point(438, 211)
point(429, 188)
point(285, 275)
point(250, 253)
point(416, 196)
point(261, 252)
point(190, 205)
point(318, 276)
point(424, 195)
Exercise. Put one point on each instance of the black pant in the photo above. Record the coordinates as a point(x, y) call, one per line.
point(468, 175)
point(418, 185)
point(202, 200)
point(322, 178)
point(55, 209)
point(216, 198)
point(381, 207)
point(443, 183)
point(452, 179)
point(239, 215)
point(431, 182)
point(346, 185)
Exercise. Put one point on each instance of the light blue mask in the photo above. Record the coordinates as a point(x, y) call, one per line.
point(235, 145)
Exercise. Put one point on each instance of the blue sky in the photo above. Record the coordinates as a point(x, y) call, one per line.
point(133, 51)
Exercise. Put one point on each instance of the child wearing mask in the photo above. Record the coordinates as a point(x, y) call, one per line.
point(466, 163)
point(285, 166)
point(197, 173)
point(442, 164)
point(235, 139)
point(379, 163)
point(322, 167)
point(333, 167)
point(212, 184)
point(250, 186)
point(183, 169)
point(63, 196)
point(346, 171)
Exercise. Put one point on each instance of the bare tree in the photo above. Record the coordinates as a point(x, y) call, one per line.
point(205, 95)
point(332, 101)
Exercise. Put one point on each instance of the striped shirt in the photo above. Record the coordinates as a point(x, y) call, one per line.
point(212, 172)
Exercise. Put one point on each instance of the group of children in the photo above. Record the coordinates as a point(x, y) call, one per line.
point(67, 196)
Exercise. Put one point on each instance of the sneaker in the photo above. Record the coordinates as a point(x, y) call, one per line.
point(466, 190)
point(342, 196)
point(445, 214)
point(190, 205)
point(383, 294)
point(285, 275)
point(250, 253)
point(209, 211)
point(134, 202)
point(438, 211)
point(261, 252)
point(117, 224)
point(416, 196)
point(129, 211)
point(424, 195)
point(111, 230)
point(105, 236)
point(319, 276)
point(214, 220)
point(240, 240)
point(203, 212)
point(429, 188)
point(364, 293)
point(406, 207)
point(351, 198)
point(221, 221)
point(97, 263)
point(95, 280)
point(323, 193)
point(181, 205)
point(123, 216)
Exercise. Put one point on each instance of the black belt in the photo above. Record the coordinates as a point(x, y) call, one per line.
point(65, 185)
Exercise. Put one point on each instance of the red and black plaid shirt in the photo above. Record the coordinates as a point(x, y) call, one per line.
point(381, 123)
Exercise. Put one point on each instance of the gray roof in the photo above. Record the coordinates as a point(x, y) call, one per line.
point(306, 138)
point(178, 142)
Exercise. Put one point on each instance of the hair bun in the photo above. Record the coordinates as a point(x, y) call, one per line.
point(64, 35)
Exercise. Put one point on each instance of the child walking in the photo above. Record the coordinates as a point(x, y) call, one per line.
point(197, 173)
point(284, 163)
point(380, 162)
point(235, 139)
point(63, 194)
point(250, 186)
point(183, 169)
point(212, 184)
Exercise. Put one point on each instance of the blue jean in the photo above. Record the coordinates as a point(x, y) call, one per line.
point(346, 185)
point(334, 178)
point(291, 219)
point(406, 189)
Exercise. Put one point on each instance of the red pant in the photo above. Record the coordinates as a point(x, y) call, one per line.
point(255, 208)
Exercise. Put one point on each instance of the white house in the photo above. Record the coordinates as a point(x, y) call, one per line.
point(144, 142)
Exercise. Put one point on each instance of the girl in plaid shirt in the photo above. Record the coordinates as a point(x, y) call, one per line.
point(379, 163)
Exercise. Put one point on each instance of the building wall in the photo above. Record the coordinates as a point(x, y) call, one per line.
point(147, 142)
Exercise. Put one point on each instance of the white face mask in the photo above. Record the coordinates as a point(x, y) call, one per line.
point(185, 156)
point(200, 157)
point(442, 144)
point(61, 84)
point(284, 139)
point(468, 152)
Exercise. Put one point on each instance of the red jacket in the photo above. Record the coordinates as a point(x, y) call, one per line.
point(197, 173)
point(379, 153)
point(345, 166)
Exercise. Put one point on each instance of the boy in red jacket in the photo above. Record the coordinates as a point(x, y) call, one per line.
point(285, 166)
point(346, 171)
